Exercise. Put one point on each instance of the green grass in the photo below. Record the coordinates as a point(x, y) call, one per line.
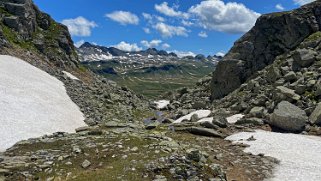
point(155, 83)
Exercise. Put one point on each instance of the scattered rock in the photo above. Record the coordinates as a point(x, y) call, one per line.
point(85, 164)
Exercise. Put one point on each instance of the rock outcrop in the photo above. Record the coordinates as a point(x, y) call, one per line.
point(272, 35)
point(23, 25)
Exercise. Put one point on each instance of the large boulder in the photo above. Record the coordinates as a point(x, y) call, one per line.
point(315, 117)
point(271, 36)
point(288, 117)
point(303, 58)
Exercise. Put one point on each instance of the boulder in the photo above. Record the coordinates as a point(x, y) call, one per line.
point(257, 112)
point(303, 58)
point(288, 117)
point(315, 117)
point(291, 76)
point(204, 132)
point(288, 92)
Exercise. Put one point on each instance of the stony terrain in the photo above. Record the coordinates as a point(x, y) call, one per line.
point(130, 138)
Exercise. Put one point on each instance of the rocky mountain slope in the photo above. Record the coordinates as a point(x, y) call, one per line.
point(272, 35)
point(149, 72)
point(128, 138)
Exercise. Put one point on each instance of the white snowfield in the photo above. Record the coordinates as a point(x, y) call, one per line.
point(299, 155)
point(161, 104)
point(32, 103)
point(200, 113)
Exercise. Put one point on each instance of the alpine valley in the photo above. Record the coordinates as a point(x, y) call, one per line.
point(101, 113)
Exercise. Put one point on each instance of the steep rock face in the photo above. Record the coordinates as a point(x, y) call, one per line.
point(273, 35)
point(23, 25)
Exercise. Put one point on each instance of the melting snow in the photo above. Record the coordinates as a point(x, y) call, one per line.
point(161, 104)
point(299, 155)
point(32, 103)
point(200, 113)
point(70, 75)
point(233, 119)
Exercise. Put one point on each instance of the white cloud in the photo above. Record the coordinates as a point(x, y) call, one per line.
point(79, 43)
point(127, 46)
point(302, 2)
point(187, 23)
point(166, 46)
point(146, 30)
point(183, 53)
point(279, 7)
point(230, 17)
point(79, 26)
point(170, 11)
point(151, 44)
point(169, 31)
point(147, 16)
point(123, 17)
point(220, 53)
point(202, 34)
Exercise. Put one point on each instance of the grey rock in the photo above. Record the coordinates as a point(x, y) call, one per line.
point(288, 92)
point(315, 117)
point(85, 164)
point(205, 132)
point(250, 121)
point(288, 117)
point(291, 76)
point(303, 58)
point(257, 112)
point(271, 36)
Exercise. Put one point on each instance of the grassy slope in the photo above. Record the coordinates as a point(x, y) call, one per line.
point(153, 83)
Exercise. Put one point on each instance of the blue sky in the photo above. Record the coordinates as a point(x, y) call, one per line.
point(206, 27)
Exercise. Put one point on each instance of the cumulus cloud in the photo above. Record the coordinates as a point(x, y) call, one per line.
point(127, 47)
point(79, 43)
point(169, 31)
point(279, 7)
point(123, 17)
point(302, 2)
point(202, 34)
point(166, 46)
point(146, 30)
point(170, 11)
point(79, 26)
point(230, 17)
point(184, 53)
point(151, 44)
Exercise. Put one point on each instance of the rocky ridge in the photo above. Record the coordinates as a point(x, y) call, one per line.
point(273, 35)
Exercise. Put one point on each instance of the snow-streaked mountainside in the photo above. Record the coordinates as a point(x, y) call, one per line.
point(89, 52)
point(33, 103)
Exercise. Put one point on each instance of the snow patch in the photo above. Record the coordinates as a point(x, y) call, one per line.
point(206, 120)
point(32, 103)
point(70, 75)
point(233, 119)
point(299, 155)
point(200, 113)
point(161, 104)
